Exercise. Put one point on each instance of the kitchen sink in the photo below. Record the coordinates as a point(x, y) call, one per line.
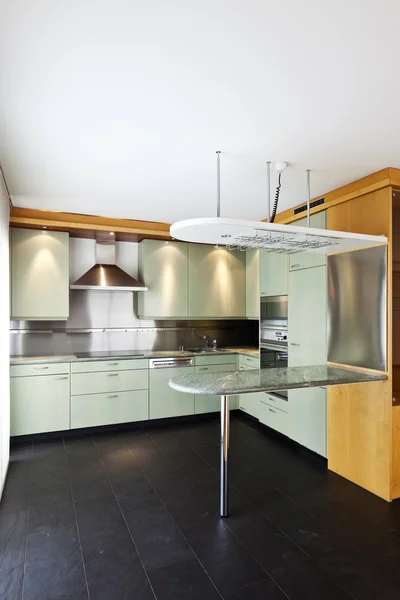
point(203, 350)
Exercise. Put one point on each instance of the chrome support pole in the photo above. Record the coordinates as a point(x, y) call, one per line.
point(224, 484)
point(218, 183)
point(269, 190)
point(308, 197)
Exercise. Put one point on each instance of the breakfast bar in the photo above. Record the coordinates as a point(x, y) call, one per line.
point(264, 380)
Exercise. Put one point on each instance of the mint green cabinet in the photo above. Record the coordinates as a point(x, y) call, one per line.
point(39, 275)
point(273, 274)
point(307, 317)
point(217, 282)
point(206, 404)
point(252, 284)
point(39, 404)
point(207, 281)
point(308, 418)
point(304, 260)
point(109, 381)
point(165, 401)
point(107, 409)
point(163, 267)
point(236, 283)
point(250, 404)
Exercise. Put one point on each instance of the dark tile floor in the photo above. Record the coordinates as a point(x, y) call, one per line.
point(135, 516)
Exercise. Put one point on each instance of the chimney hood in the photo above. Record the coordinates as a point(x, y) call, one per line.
point(105, 275)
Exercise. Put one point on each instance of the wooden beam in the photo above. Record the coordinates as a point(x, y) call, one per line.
point(371, 183)
point(87, 225)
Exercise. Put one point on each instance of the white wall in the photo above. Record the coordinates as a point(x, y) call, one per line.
point(4, 338)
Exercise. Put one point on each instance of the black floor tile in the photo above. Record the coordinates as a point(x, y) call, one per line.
point(226, 561)
point(13, 531)
point(115, 571)
point(100, 522)
point(183, 580)
point(90, 481)
point(11, 583)
point(157, 537)
point(293, 571)
point(336, 540)
point(142, 495)
point(44, 517)
point(262, 590)
point(54, 567)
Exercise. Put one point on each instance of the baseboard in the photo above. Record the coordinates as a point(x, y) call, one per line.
point(120, 427)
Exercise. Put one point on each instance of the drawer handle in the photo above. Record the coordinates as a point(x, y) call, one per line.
point(113, 396)
point(295, 266)
point(58, 378)
point(272, 410)
point(40, 368)
point(112, 374)
point(293, 344)
point(113, 364)
point(203, 368)
point(243, 408)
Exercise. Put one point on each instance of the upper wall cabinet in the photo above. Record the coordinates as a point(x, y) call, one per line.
point(304, 260)
point(217, 282)
point(273, 274)
point(39, 275)
point(252, 284)
point(163, 267)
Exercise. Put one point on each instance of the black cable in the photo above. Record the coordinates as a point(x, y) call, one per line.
point(278, 189)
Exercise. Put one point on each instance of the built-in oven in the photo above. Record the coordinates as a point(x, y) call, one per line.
point(274, 335)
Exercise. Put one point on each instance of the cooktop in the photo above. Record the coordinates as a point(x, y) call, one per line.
point(108, 353)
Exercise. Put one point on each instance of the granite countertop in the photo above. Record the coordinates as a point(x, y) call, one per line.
point(270, 380)
point(60, 358)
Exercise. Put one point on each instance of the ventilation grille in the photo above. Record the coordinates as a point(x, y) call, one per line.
point(312, 204)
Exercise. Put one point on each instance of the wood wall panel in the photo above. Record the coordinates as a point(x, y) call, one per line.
point(359, 435)
point(360, 416)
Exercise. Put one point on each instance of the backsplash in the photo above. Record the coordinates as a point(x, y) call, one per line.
point(108, 321)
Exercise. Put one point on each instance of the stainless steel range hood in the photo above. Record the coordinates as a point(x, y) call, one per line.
point(105, 275)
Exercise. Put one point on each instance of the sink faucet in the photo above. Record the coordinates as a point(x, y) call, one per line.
point(212, 341)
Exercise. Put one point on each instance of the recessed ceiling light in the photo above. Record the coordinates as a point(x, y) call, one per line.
point(112, 233)
point(44, 226)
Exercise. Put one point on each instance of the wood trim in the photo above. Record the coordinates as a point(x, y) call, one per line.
point(85, 225)
point(371, 183)
point(361, 369)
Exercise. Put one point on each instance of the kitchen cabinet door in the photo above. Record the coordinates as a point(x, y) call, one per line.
point(208, 281)
point(163, 268)
point(109, 409)
point(39, 275)
point(39, 404)
point(206, 404)
point(252, 284)
point(163, 400)
point(236, 283)
point(308, 418)
point(304, 260)
point(273, 274)
point(250, 404)
point(307, 317)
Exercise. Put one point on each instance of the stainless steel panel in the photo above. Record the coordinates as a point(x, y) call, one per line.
point(357, 308)
point(164, 363)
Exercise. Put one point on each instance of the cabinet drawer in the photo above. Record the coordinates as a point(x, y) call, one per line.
point(39, 369)
point(109, 365)
point(274, 401)
point(215, 368)
point(107, 409)
point(113, 381)
point(39, 404)
point(250, 361)
point(274, 418)
point(218, 359)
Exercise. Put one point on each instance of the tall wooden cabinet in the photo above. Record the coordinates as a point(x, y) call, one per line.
point(39, 275)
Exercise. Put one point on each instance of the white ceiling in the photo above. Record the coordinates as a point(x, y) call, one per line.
point(117, 108)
